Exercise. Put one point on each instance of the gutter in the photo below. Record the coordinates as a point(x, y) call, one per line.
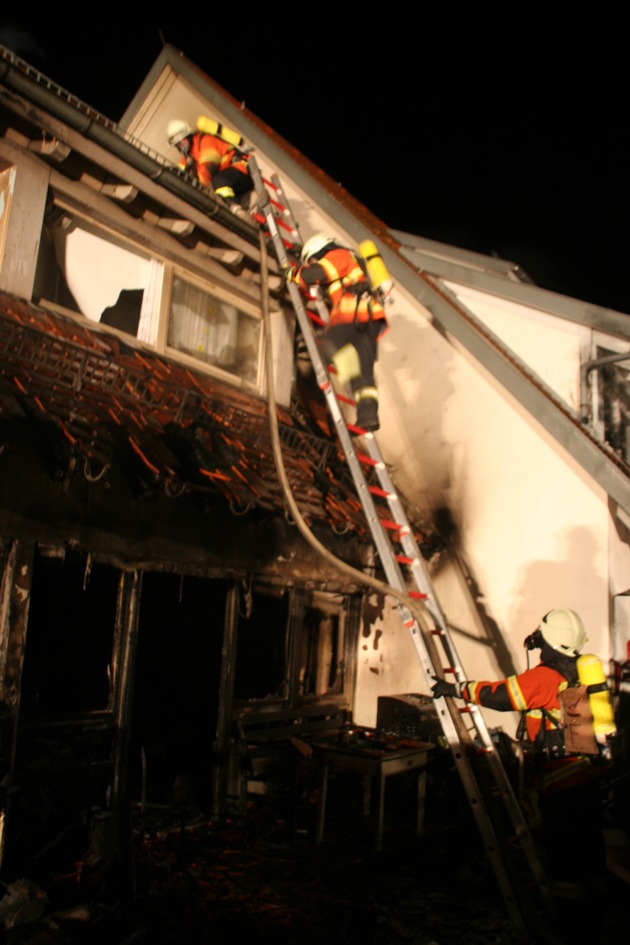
point(28, 82)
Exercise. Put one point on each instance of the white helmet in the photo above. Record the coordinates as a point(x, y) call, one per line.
point(313, 245)
point(177, 130)
point(564, 631)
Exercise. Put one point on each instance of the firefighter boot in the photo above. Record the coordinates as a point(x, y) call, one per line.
point(367, 409)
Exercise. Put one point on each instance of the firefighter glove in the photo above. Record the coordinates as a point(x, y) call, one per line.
point(442, 688)
point(289, 274)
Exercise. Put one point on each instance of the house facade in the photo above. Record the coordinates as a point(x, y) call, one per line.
point(153, 581)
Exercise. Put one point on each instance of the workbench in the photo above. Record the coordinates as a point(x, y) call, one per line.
point(375, 760)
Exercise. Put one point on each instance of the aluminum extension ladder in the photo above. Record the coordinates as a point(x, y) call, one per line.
point(504, 831)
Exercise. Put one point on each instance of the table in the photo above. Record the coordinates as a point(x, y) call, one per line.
point(373, 764)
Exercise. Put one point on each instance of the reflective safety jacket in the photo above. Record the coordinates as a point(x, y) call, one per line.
point(340, 273)
point(212, 154)
point(532, 692)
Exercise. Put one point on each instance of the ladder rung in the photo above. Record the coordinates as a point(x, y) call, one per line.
point(345, 400)
point(393, 526)
point(367, 459)
point(418, 595)
point(286, 226)
point(375, 490)
point(404, 559)
point(278, 206)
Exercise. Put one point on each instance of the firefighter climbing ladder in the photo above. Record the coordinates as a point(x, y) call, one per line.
point(465, 731)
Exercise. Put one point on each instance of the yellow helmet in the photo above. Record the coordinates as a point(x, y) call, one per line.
point(176, 130)
point(564, 631)
point(314, 245)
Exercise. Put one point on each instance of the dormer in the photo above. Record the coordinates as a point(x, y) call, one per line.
point(96, 223)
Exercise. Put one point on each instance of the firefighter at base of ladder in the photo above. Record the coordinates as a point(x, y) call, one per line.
point(357, 318)
point(564, 787)
point(215, 157)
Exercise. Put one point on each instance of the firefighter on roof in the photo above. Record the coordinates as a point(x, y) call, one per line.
point(357, 318)
point(566, 785)
point(215, 157)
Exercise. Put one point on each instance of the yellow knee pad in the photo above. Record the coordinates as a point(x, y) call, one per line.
point(347, 363)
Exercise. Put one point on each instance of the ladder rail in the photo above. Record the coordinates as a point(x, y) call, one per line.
point(425, 586)
point(413, 615)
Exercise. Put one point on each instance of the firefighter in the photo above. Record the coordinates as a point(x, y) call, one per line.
point(217, 162)
point(357, 318)
point(566, 787)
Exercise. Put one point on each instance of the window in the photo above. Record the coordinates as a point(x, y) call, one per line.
point(295, 646)
point(605, 395)
point(213, 330)
point(87, 271)
point(613, 387)
point(7, 184)
point(322, 645)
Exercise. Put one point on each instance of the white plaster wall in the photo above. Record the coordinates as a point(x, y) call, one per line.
point(174, 98)
point(532, 531)
point(549, 345)
point(387, 662)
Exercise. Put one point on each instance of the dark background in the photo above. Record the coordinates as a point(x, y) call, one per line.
point(502, 132)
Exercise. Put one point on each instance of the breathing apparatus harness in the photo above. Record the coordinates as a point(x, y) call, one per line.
point(363, 290)
point(549, 742)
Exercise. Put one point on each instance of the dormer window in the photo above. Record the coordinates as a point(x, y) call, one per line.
point(214, 330)
point(88, 270)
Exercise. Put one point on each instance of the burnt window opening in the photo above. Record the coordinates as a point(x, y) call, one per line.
point(262, 645)
point(70, 635)
point(88, 270)
point(294, 646)
point(322, 649)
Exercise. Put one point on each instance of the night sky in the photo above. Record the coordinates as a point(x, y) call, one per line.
point(503, 136)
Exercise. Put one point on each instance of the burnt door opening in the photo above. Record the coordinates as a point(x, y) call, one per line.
point(70, 636)
point(62, 772)
point(174, 714)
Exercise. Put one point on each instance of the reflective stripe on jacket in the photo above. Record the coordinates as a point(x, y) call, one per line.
point(531, 692)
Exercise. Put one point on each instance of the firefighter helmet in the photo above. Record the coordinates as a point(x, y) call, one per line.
point(177, 130)
point(564, 631)
point(314, 245)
